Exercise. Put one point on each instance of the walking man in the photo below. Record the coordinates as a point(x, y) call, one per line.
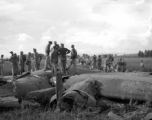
point(1, 65)
point(62, 52)
point(36, 59)
point(47, 52)
point(28, 62)
point(73, 59)
point(22, 62)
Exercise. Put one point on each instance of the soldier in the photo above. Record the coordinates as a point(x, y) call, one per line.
point(94, 62)
point(14, 62)
point(36, 59)
point(22, 62)
point(1, 65)
point(123, 65)
point(142, 66)
point(28, 62)
point(88, 62)
point(47, 52)
point(54, 58)
point(118, 65)
point(99, 62)
point(109, 63)
point(73, 58)
point(63, 60)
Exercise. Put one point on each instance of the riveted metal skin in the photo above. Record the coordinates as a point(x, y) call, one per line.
point(124, 86)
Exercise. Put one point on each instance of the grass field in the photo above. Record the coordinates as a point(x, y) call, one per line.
point(43, 114)
point(133, 64)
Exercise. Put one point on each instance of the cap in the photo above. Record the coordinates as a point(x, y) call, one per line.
point(21, 52)
point(34, 49)
point(11, 52)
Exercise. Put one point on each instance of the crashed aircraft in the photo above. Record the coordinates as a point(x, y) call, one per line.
point(84, 90)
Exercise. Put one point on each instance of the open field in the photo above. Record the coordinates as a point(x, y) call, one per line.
point(48, 114)
point(133, 64)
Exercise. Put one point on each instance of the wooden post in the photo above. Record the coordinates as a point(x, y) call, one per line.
point(59, 87)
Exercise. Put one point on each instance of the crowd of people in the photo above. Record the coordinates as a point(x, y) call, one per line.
point(55, 56)
point(56, 59)
point(107, 65)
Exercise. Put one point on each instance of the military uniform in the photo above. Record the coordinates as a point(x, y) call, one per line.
point(22, 63)
point(54, 59)
point(73, 59)
point(99, 62)
point(47, 61)
point(1, 66)
point(94, 62)
point(28, 62)
point(109, 63)
point(36, 61)
point(63, 59)
point(14, 62)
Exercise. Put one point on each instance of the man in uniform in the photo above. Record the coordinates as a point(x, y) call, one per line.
point(54, 58)
point(142, 66)
point(99, 62)
point(28, 62)
point(62, 52)
point(22, 62)
point(109, 63)
point(1, 65)
point(47, 52)
point(73, 59)
point(14, 62)
point(88, 62)
point(36, 59)
point(94, 62)
point(124, 64)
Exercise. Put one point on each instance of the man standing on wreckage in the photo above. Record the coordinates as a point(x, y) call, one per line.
point(63, 59)
point(47, 53)
point(73, 59)
point(14, 63)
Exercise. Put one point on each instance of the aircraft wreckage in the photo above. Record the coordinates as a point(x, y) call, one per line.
point(82, 90)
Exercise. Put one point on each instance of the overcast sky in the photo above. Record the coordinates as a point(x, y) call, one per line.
point(93, 26)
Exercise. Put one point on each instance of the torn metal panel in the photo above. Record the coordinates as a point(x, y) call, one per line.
point(37, 80)
point(80, 98)
point(41, 96)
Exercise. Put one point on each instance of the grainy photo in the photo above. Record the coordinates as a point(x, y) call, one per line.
point(75, 59)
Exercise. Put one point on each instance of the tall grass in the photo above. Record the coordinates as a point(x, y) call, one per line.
point(42, 114)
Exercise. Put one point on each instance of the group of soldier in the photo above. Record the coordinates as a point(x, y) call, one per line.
point(57, 56)
point(97, 63)
point(56, 59)
point(18, 62)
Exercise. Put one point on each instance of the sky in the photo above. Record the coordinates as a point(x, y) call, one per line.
point(93, 26)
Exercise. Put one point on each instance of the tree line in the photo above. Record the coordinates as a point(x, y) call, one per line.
point(146, 53)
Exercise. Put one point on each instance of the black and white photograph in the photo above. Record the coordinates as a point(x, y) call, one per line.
point(75, 59)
